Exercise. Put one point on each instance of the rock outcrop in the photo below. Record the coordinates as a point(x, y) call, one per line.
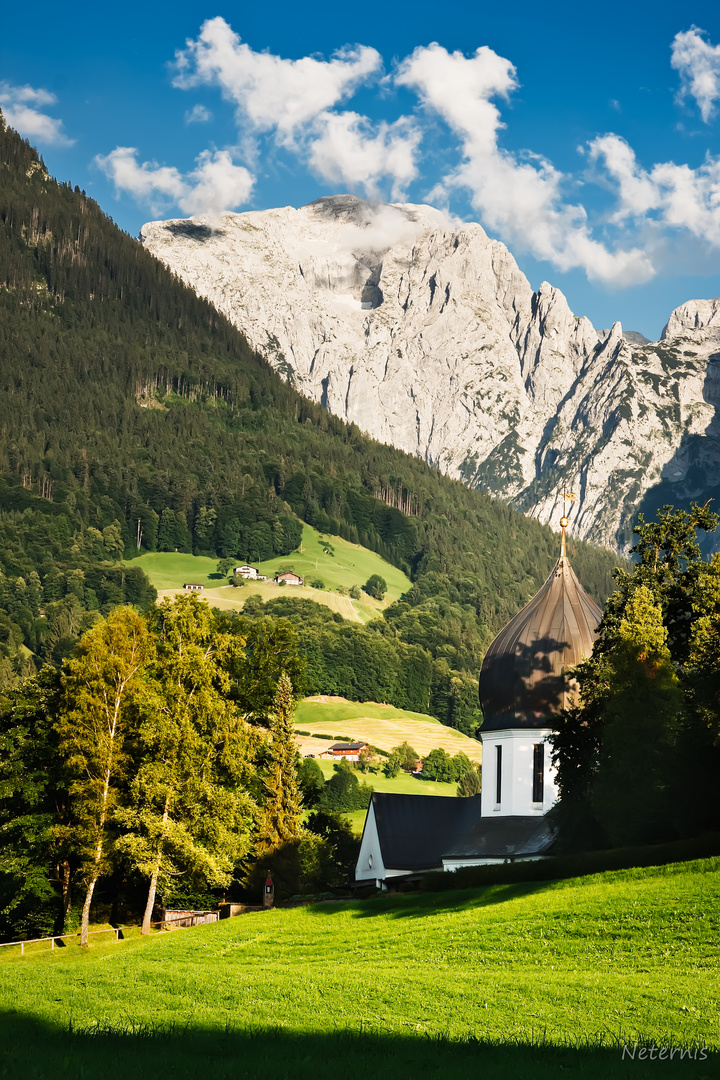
point(427, 335)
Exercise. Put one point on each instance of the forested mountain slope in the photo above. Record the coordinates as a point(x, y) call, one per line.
point(130, 407)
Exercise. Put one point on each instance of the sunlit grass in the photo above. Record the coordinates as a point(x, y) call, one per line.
point(614, 957)
point(335, 561)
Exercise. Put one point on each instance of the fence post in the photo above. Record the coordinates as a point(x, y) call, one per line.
point(22, 948)
point(52, 942)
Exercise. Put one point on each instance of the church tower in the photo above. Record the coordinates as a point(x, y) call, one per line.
point(523, 682)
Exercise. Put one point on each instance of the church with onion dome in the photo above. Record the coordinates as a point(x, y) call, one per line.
point(523, 683)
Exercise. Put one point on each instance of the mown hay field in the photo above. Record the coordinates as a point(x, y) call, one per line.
point(380, 725)
point(521, 981)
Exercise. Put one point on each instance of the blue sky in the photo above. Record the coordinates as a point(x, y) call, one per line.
point(583, 136)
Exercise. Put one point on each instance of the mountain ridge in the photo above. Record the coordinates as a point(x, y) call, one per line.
point(426, 334)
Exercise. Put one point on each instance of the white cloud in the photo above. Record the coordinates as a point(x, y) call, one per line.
point(215, 185)
point(293, 102)
point(350, 151)
point(698, 63)
point(19, 106)
point(272, 93)
point(198, 115)
point(666, 196)
point(520, 198)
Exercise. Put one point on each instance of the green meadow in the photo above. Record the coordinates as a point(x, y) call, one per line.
point(335, 561)
point(522, 981)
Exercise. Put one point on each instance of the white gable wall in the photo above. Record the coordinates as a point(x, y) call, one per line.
point(370, 866)
point(516, 788)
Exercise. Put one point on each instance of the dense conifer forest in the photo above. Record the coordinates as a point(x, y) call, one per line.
point(133, 415)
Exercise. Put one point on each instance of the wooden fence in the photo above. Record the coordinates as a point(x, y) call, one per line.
point(183, 919)
point(117, 931)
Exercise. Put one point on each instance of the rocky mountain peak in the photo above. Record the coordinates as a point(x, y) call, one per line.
point(425, 333)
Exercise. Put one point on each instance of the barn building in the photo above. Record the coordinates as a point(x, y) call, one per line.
point(523, 682)
point(288, 578)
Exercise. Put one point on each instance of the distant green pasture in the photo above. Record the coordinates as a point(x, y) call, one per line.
point(381, 725)
point(403, 783)
point(336, 562)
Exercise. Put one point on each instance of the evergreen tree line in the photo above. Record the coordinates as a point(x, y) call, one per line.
point(131, 405)
point(158, 763)
point(370, 663)
point(639, 756)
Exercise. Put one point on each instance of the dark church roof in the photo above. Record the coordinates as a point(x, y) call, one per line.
point(417, 831)
point(523, 680)
point(506, 837)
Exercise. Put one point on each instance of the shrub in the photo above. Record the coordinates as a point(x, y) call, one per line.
point(438, 765)
point(392, 766)
point(311, 780)
point(470, 783)
point(316, 583)
point(354, 592)
point(343, 791)
point(375, 586)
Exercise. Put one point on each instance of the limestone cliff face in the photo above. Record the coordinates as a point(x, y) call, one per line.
point(428, 336)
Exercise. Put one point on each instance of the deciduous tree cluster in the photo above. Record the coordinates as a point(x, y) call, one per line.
point(162, 751)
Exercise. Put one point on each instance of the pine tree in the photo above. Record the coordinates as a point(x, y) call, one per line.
point(283, 805)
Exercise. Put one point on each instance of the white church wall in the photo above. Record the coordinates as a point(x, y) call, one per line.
point(457, 864)
point(370, 866)
point(517, 771)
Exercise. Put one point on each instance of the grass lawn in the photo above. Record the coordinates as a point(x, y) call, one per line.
point(171, 569)
point(519, 982)
point(335, 561)
point(380, 725)
point(403, 783)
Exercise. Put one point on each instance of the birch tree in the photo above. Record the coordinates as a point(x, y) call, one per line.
point(94, 729)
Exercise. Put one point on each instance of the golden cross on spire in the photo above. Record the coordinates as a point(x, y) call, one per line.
point(567, 496)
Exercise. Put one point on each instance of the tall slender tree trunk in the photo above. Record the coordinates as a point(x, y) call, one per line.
point(66, 886)
point(85, 924)
point(95, 872)
point(152, 891)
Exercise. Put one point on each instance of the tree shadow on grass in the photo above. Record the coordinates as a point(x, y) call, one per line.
point(416, 905)
point(31, 1048)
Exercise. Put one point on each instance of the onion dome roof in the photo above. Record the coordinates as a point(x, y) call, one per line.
point(523, 680)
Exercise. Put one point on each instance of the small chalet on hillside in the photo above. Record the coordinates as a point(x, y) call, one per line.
point(193, 586)
point(249, 572)
point(346, 751)
point(288, 578)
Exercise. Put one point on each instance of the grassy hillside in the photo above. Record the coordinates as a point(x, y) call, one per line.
point(335, 561)
point(498, 982)
point(381, 725)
